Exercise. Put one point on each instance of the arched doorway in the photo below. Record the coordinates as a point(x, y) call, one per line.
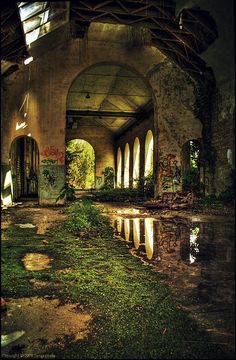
point(136, 162)
point(24, 159)
point(126, 166)
point(148, 170)
point(80, 159)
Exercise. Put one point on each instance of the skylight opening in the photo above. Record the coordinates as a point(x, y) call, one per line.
point(29, 9)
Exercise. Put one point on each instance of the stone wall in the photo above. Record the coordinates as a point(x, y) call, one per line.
point(223, 141)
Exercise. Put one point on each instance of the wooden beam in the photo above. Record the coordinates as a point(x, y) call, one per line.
point(115, 114)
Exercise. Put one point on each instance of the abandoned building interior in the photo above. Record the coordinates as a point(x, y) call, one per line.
point(117, 179)
point(145, 83)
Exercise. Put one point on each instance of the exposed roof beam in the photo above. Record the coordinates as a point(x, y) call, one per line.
point(115, 114)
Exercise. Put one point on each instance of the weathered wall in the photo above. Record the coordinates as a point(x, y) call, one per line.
point(223, 144)
point(175, 123)
point(47, 80)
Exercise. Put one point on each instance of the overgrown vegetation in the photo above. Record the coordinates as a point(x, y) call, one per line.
point(118, 195)
point(67, 193)
point(84, 217)
point(108, 178)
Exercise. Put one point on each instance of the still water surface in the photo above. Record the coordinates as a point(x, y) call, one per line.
point(197, 258)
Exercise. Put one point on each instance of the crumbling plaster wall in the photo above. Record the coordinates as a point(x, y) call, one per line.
point(176, 122)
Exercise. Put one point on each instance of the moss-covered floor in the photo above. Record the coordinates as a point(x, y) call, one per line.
point(129, 312)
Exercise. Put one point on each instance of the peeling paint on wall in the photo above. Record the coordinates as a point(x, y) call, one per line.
point(51, 179)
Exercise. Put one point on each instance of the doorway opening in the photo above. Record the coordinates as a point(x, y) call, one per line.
point(80, 159)
point(24, 161)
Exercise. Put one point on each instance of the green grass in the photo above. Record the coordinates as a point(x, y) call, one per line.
point(135, 315)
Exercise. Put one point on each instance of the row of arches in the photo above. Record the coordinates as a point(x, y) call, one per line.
point(24, 163)
point(125, 168)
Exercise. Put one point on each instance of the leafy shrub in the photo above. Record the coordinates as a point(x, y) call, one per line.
point(118, 195)
point(108, 178)
point(67, 193)
point(85, 217)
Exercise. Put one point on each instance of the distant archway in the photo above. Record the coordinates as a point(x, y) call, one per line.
point(80, 158)
point(136, 162)
point(119, 168)
point(24, 158)
point(191, 166)
point(148, 170)
point(126, 166)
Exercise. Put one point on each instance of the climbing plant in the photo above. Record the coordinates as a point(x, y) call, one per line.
point(108, 178)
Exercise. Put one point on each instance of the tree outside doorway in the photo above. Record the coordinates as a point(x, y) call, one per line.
point(80, 158)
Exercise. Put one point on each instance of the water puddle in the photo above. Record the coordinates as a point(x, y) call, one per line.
point(197, 259)
point(36, 261)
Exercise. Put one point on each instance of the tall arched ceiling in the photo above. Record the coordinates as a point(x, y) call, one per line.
point(109, 94)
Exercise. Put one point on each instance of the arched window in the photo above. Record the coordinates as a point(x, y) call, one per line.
point(119, 167)
point(126, 168)
point(148, 154)
point(136, 162)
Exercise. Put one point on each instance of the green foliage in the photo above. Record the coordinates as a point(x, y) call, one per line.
point(118, 195)
point(210, 199)
point(84, 217)
point(229, 194)
point(108, 178)
point(194, 155)
point(80, 160)
point(145, 186)
point(67, 193)
point(191, 181)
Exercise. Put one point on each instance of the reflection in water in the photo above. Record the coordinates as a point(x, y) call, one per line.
point(127, 229)
point(119, 225)
point(148, 226)
point(197, 257)
point(193, 244)
point(136, 232)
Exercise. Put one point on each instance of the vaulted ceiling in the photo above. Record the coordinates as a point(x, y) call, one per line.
point(110, 95)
